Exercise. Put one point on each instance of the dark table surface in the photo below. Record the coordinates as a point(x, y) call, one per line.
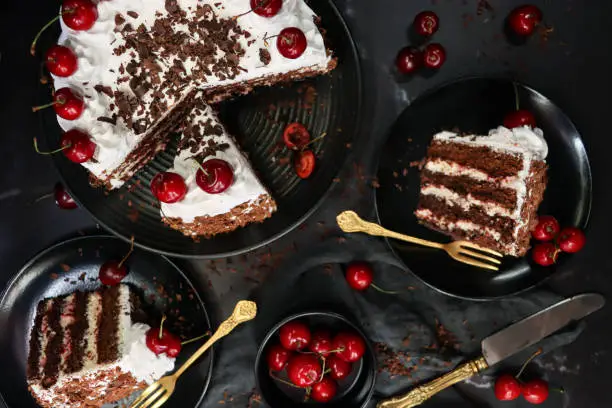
point(572, 68)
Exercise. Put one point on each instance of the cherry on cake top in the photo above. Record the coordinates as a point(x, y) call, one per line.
point(214, 176)
point(266, 8)
point(168, 187)
point(291, 42)
point(66, 103)
point(61, 61)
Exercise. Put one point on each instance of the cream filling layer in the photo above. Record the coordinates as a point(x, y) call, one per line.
point(463, 225)
point(466, 202)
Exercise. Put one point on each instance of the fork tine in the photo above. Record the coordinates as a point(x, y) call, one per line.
point(473, 262)
point(152, 398)
point(479, 256)
point(160, 401)
point(479, 248)
point(153, 387)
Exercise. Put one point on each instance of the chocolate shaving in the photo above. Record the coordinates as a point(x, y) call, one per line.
point(107, 90)
point(132, 14)
point(112, 121)
point(264, 56)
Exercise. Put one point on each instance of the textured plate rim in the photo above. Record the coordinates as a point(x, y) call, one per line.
point(289, 228)
point(70, 241)
point(589, 185)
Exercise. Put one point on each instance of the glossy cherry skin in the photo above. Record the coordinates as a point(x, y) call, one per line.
point(434, 56)
point(296, 136)
point(523, 20)
point(62, 198)
point(351, 345)
point(168, 187)
point(547, 229)
point(294, 335)
point(266, 8)
point(426, 23)
point(321, 343)
point(215, 176)
point(359, 275)
point(535, 391)
point(68, 105)
point(278, 357)
point(545, 253)
point(304, 370)
point(79, 14)
point(409, 60)
point(168, 343)
point(325, 390)
point(507, 388)
point(79, 147)
point(340, 369)
point(111, 273)
point(61, 61)
point(519, 118)
point(571, 240)
point(291, 42)
point(304, 163)
point(174, 346)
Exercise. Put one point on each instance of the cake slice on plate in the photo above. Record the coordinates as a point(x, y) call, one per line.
point(89, 348)
point(485, 189)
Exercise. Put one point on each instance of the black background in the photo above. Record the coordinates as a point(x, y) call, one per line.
point(572, 68)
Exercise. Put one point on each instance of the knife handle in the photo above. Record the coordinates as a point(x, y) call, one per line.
point(423, 392)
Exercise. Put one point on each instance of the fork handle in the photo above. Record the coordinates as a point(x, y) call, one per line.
point(371, 228)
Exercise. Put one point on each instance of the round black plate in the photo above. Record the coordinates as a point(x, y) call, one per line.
point(330, 104)
point(73, 265)
point(477, 105)
point(354, 391)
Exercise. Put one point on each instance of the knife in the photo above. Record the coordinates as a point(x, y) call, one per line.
point(504, 344)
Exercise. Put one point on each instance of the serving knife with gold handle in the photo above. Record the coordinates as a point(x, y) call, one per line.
point(504, 344)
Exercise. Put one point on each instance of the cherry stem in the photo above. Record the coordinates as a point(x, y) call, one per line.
point(200, 166)
point(534, 355)
point(322, 371)
point(259, 5)
point(314, 140)
point(129, 252)
point(51, 152)
point(388, 292)
point(516, 96)
point(161, 326)
point(37, 108)
point(33, 46)
point(314, 352)
point(283, 381)
point(195, 339)
point(43, 197)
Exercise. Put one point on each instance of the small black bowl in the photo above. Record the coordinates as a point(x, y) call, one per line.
point(354, 391)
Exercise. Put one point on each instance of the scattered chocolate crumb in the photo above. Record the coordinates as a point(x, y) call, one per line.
point(65, 267)
point(132, 14)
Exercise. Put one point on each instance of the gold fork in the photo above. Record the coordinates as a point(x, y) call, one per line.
point(461, 251)
point(159, 392)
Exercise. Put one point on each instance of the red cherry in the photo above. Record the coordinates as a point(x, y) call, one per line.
point(112, 272)
point(324, 390)
point(304, 370)
point(278, 357)
point(61, 61)
point(166, 343)
point(535, 391)
point(266, 8)
point(426, 23)
point(321, 343)
point(571, 240)
point(294, 335)
point(351, 345)
point(340, 369)
point(409, 60)
point(545, 254)
point(79, 14)
point(62, 199)
point(547, 228)
point(168, 187)
point(519, 118)
point(215, 176)
point(304, 163)
point(296, 136)
point(291, 42)
point(66, 103)
point(507, 388)
point(434, 56)
point(524, 19)
point(359, 275)
point(174, 345)
point(77, 146)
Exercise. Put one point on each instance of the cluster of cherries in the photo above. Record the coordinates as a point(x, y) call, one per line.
point(410, 59)
point(297, 138)
point(509, 387)
point(554, 240)
point(314, 361)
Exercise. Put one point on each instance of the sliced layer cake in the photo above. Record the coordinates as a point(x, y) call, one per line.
point(89, 349)
point(485, 189)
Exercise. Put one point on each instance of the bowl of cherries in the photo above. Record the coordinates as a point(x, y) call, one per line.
point(316, 358)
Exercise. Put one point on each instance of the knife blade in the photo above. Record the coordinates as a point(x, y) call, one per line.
point(536, 327)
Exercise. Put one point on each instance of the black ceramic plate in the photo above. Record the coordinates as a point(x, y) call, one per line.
point(73, 265)
point(477, 105)
point(330, 104)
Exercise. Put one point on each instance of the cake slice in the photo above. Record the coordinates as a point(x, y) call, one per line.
point(485, 189)
point(89, 348)
point(202, 213)
point(141, 63)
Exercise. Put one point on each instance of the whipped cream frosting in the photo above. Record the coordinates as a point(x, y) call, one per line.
point(99, 65)
point(245, 188)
